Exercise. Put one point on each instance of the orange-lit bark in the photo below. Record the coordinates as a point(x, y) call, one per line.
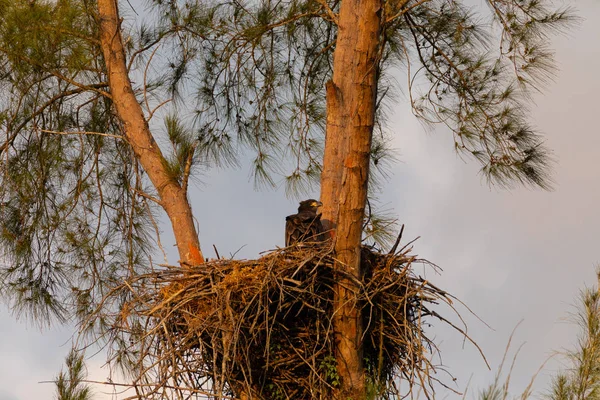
point(351, 101)
point(172, 196)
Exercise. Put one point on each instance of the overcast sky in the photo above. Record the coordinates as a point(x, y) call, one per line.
point(518, 255)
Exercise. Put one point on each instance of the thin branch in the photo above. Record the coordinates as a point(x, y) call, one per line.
point(82, 133)
point(402, 11)
point(40, 110)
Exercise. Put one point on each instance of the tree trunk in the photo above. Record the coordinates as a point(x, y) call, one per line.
point(172, 196)
point(351, 98)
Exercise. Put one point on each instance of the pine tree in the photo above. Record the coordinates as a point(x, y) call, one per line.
point(581, 379)
point(82, 172)
point(70, 384)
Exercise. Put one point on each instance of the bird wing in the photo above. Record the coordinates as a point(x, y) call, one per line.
point(291, 230)
point(303, 227)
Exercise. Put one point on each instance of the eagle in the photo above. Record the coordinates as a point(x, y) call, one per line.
point(304, 227)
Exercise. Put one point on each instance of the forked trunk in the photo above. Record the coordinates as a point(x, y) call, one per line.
point(351, 98)
point(172, 196)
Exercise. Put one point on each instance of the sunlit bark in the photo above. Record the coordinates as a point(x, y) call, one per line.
point(173, 197)
point(351, 98)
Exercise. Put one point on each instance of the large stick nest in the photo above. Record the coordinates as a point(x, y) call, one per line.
point(263, 329)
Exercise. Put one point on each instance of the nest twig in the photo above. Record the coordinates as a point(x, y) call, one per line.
point(262, 328)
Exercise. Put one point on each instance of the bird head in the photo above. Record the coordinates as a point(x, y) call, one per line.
point(310, 205)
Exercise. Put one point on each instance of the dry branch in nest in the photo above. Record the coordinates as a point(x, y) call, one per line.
point(262, 329)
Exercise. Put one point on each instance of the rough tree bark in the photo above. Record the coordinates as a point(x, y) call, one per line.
point(351, 98)
point(173, 197)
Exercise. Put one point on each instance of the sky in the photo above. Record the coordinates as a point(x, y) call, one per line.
point(518, 258)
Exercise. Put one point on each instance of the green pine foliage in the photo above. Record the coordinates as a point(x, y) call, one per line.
point(581, 378)
point(70, 384)
point(71, 221)
point(262, 66)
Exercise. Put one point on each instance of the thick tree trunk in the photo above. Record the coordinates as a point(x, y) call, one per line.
point(172, 197)
point(351, 98)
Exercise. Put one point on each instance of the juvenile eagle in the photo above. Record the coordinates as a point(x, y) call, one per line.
point(306, 225)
